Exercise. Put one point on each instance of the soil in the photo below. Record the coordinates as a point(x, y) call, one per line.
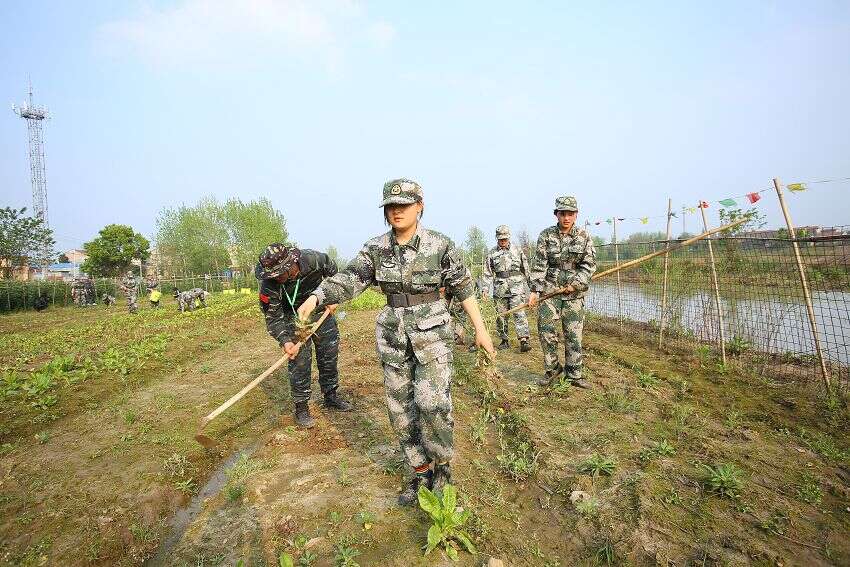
point(114, 476)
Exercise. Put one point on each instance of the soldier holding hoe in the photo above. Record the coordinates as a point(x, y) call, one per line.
point(287, 277)
point(506, 271)
point(410, 264)
point(564, 257)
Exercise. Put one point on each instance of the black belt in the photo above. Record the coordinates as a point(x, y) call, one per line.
point(503, 275)
point(411, 299)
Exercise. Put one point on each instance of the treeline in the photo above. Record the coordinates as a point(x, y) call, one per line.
point(212, 237)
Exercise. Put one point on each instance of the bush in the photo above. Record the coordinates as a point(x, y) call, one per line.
point(369, 299)
point(21, 296)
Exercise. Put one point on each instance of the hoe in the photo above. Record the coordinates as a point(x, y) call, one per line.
point(210, 443)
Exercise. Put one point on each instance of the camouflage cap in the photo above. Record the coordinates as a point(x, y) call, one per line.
point(566, 203)
point(401, 192)
point(502, 231)
point(276, 260)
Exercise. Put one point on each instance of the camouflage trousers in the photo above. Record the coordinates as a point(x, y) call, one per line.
point(570, 312)
point(326, 340)
point(132, 306)
point(419, 404)
point(520, 318)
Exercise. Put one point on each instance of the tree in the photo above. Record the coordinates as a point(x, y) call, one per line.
point(523, 240)
point(476, 250)
point(251, 227)
point(63, 259)
point(646, 236)
point(23, 239)
point(114, 250)
point(333, 254)
point(210, 237)
point(730, 247)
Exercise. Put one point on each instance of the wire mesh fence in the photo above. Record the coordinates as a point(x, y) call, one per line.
point(756, 313)
point(22, 296)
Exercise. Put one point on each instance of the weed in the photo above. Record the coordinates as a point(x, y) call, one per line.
point(177, 466)
point(809, 490)
point(596, 465)
point(823, 445)
point(186, 486)
point(342, 473)
point(672, 497)
point(307, 559)
point(723, 479)
point(661, 449)
point(335, 518)
point(344, 556)
point(518, 459)
point(285, 560)
point(42, 437)
point(235, 492)
point(366, 519)
point(130, 417)
point(682, 414)
point(479, 429)
point(589, 508)
point(447, 521)
point(703, 352)
point(683, 387)
point(619, 400)
point(733, 419)
point(646, 380)
point(777, 523)
point(604, 554)
point(737, 346)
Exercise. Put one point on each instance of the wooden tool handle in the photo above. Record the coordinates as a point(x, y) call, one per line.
point(253, 384)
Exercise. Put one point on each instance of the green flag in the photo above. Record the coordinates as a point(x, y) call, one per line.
point(728, 203)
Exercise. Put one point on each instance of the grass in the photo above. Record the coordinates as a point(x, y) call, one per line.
point(723, 479)
point(596, 465)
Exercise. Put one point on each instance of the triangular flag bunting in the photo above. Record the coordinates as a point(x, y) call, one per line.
point(608, 221)
point(728, 203)
point(703, 205)
point(644, 220)
point(673, 215)
point(753, 197)
point(796, 186)
point(692, 210)
point(619, 219)
point(597, 223)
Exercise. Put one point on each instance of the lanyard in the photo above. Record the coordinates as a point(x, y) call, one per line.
point(294, 295)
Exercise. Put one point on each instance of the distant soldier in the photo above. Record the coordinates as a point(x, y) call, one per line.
point(199, 296)
point(506, 271)
point(108, 300)
point(287, 277)
point(185, 300)
point(89, 291)
point(564, 257)
point(128, 286)
point(77, 292)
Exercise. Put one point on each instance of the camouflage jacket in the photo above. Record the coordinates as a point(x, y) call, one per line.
point(506, 270)
point(563, 259)
point(280, 316)
point(128, 284)
point(426, 263)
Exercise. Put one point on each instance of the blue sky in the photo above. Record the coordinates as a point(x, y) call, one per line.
point(495, 108)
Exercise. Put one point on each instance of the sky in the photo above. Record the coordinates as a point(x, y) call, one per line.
point(495, 108)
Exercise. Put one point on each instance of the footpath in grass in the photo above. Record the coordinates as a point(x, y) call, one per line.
point(665, 461)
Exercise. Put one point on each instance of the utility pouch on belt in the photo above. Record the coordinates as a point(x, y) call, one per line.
point(507, 274)
point(411, 299)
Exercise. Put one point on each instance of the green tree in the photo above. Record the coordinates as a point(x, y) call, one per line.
point(23, 239)
point(333, 254)
point(63, 259)
point(646, 236)
point(114, 250)
point(475, 248)
point(193, 240)
point(731, 247)
point(251, 227)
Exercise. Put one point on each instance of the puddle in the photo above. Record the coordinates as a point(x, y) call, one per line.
point(181, 520)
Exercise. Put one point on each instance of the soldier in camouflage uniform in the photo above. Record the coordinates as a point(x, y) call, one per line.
point(128, 285)
point(287, 277)
point(506, 272)
point(78, 292)
point(410, 264)
point(565, 256)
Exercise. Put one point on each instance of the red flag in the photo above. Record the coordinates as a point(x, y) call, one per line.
point(703, 205)
point(753, 197)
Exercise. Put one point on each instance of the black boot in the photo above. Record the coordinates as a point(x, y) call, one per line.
point(302, 415)
point(442, 477)
point(523, 345)
point(335, 402)
point(410, 494)
point(505, 344)
point(551, 375)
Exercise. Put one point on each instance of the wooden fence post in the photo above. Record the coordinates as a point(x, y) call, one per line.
point(717, 303)
point(804, 283)
point(619, 285)
point(664, 284)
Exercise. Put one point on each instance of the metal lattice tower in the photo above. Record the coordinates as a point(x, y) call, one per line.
point(34, 115)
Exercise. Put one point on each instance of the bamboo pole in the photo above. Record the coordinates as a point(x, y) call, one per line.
point(619, 284)
point(717, 304)
point(664, 284)
point(633, 263)
point(804, 283)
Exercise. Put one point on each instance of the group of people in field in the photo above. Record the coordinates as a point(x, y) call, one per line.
point(421, 272)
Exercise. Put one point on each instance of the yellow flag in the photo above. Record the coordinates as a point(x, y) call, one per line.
point(796, 186)
point(644, 220)
point(692, 210)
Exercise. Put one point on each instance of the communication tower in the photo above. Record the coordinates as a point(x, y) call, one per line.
point(34, 115)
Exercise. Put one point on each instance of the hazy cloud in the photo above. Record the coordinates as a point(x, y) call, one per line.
point(236, 31)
